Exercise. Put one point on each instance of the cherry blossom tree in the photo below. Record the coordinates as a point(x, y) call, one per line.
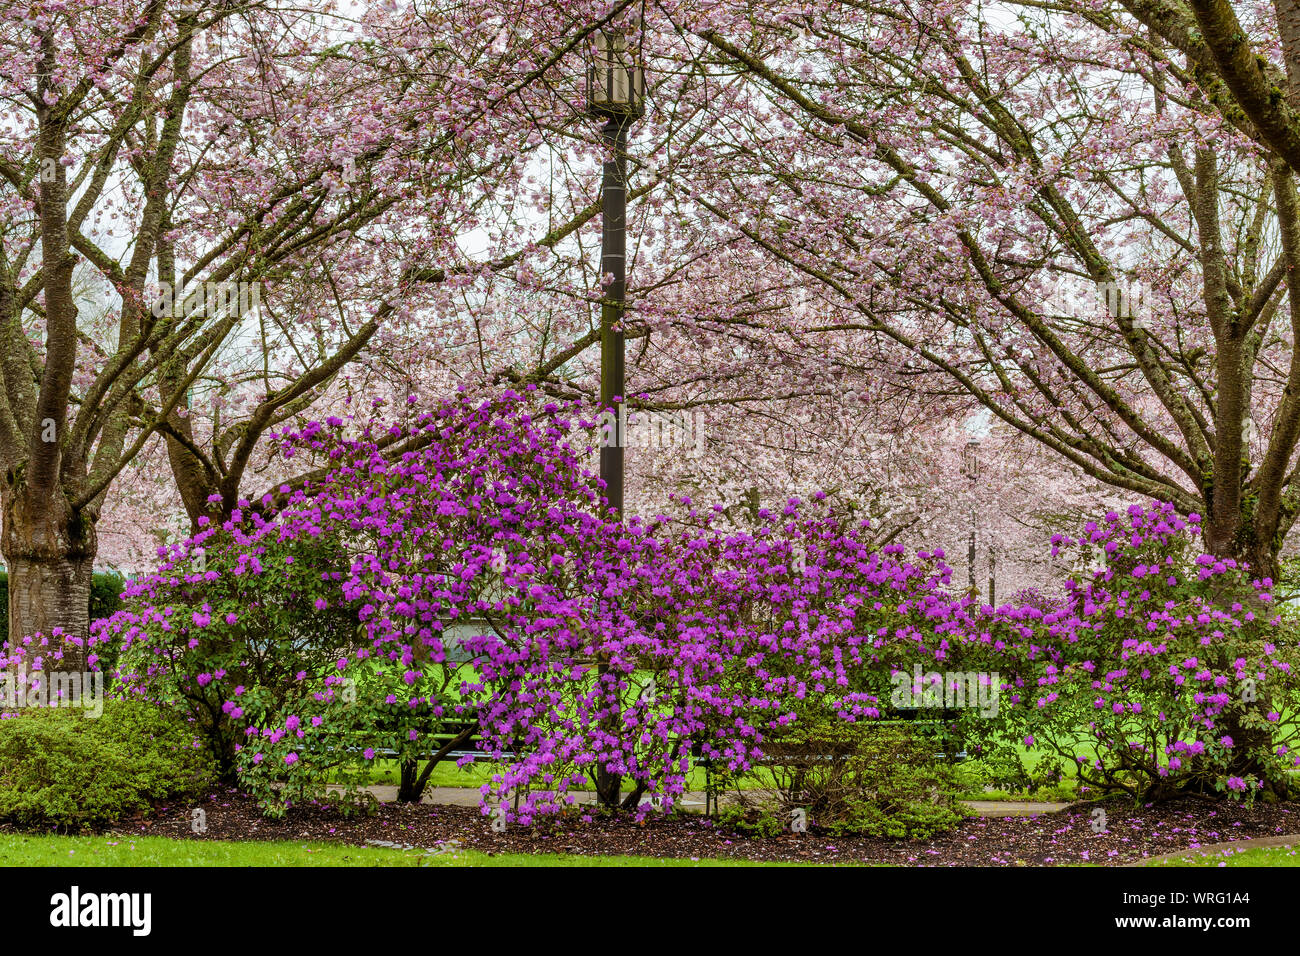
point(1078, 214)
point(249, 196)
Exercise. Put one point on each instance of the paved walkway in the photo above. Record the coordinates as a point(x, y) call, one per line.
point(469, 797)
point(1011, 808)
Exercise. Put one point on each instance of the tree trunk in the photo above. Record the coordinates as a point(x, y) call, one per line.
point(194, 483)
point(1288, 28)
point(49, 552)
point(407, 790)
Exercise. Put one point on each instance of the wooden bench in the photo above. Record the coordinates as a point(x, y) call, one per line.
point(780, 754)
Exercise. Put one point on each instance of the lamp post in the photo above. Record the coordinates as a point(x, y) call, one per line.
point(615, 94)
point(971, 460)
point(993, 576)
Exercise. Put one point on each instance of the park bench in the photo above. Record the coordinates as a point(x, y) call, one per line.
point(461, 732)
point(459, 737)
point(455, 738)
point(779, 753)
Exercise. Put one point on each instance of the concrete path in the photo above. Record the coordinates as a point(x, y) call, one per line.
point(469, 797)
point(1011, 808)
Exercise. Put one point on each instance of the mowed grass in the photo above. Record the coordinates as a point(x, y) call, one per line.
point(115, 851)
point(1248, 856)
point(118, 851)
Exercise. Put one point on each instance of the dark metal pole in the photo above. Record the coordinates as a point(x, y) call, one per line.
point(993, 576)
point(970, 557)
point(613, 261)
point(972, 474)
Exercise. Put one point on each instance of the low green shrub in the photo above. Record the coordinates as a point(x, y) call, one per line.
point(752, 821)
point(62, 768)
point(912, 802)
point(852, 780)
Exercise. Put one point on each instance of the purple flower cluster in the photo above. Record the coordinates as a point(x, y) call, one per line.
point(585, 641)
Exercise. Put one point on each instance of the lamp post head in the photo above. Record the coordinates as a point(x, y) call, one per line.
point(971, 459)
point(615, 81)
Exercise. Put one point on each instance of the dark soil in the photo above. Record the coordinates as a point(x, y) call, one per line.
point(1050, 839)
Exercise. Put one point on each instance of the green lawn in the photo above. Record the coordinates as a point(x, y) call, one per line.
point(112, 851)
point(160, 851)
point(1255, 856)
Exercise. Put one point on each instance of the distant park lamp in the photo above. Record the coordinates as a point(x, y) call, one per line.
point(971, 459)
point(971, 465)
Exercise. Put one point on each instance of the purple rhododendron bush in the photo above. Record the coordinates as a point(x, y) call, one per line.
point(456, 569)
point(1162, 671)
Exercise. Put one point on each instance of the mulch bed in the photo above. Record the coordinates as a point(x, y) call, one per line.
point(1046, 840)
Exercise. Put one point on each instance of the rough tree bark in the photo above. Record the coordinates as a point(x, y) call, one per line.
point(49, 551)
